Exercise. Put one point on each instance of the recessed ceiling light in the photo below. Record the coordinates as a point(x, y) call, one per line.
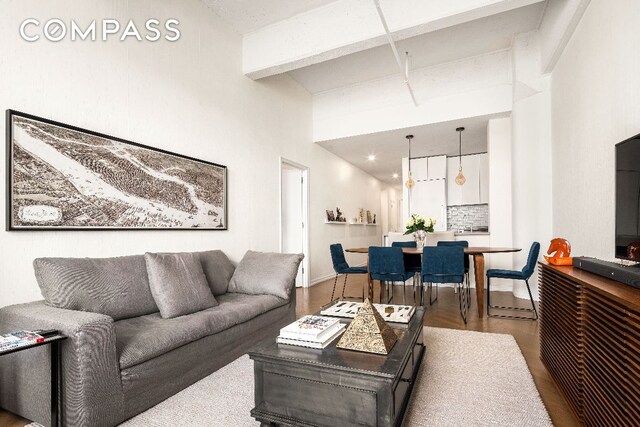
point(371, 157)
point(395, 176)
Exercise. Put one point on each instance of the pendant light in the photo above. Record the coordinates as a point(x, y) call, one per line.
point(460, 179)
point(410, 183)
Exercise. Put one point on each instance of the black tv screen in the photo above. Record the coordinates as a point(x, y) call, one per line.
point(628, 199)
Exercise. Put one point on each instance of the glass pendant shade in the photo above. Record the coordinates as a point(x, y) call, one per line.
point(410, 183)
point(460, 179)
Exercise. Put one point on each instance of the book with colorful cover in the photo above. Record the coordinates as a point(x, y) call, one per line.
point(19, 339)
point(312, 344)
point(311, 328)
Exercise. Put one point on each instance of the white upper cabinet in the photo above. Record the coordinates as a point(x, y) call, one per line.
point(475, 190)
point(420, 169)
point(484, 178)
point(437, 167)
point(454, 191)
point(471, 187)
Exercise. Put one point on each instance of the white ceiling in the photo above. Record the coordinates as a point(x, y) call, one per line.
point(249, 15)
point(390, 147)
point(473, 38)
point(481, 36)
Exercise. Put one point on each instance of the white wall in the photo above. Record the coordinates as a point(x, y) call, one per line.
point(189, 97)
point(595, 105)
point(336, 183)
point(500, 197)
point(531, 154)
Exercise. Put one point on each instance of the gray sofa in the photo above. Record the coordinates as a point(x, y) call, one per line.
point(122, 357)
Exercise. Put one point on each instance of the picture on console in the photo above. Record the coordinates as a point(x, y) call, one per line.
point(63, 177)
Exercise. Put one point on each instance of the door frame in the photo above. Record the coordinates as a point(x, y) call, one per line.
point(305, 214)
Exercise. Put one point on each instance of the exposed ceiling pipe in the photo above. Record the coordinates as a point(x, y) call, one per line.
point(404, 69)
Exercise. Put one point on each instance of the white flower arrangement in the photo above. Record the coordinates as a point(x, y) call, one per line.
point(420, 223)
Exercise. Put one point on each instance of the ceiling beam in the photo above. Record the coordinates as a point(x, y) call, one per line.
point(348, 26)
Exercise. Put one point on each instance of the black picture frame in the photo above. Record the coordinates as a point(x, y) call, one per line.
point(183, 201)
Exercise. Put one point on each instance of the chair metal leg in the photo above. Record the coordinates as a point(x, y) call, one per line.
point(463, 302)
point(503, 307)
point(404, 293)
point(431, 301)
point(334, 288)
point(344, 285)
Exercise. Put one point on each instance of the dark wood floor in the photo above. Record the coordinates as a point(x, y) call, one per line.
point(443, 314)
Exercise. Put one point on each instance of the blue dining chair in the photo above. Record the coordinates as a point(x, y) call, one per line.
point(444, 264)
point(412, 264)
point(524, 274)
point(341, 266)
point(464, 244)
point(386, 264)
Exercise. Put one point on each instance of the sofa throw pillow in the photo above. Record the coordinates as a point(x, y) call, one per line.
point(260, 273)
point(218, 269)
point(178, 284)
point(117, 287)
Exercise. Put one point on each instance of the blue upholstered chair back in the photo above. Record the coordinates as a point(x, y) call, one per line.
point(386, 263)
point(337, 257)
point(443, 264)
point(528, 269)
point(461, 243)
point(404, 244)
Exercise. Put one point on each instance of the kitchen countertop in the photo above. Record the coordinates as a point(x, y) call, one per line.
point(473, 233)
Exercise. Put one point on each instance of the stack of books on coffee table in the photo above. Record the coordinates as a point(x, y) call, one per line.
point(311, 331)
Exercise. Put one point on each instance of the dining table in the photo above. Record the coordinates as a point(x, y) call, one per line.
point(477, 252)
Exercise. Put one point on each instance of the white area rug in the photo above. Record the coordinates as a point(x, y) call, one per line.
point(466, 379)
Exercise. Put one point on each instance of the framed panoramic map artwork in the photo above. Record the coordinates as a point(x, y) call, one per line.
point(62, 177)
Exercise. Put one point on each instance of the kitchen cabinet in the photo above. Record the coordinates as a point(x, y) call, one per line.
point(429, 198)
point(484, 178)
point(476, 188)
point(437, 167)
point(420, 169)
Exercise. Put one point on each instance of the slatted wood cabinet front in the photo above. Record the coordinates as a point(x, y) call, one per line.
point(590, 343)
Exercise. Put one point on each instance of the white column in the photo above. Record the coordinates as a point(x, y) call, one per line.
point(531, 154)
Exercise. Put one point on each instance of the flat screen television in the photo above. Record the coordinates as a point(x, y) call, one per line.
point(628, 199)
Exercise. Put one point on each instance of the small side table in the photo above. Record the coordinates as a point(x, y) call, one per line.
point(56, 372)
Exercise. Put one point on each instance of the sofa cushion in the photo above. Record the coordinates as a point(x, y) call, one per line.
point(143, 338)
point(117, 287)
point(218, 269)
point(178, 284)
point(266, 273)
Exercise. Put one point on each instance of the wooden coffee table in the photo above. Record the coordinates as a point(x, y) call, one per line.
point(297, 386)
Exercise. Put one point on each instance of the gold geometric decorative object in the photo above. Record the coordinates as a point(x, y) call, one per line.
point(368, 332)
point(410, 182)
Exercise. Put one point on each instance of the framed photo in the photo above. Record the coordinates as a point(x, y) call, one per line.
point(61, 177)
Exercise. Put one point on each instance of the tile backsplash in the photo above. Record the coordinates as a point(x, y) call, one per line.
point(468, 216)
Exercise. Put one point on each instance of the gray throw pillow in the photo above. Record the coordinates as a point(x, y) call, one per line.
point(178, 284)
point(117, 287)
point(218, 269)
point(266, 273)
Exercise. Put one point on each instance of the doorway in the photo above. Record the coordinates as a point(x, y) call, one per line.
point(294, 215)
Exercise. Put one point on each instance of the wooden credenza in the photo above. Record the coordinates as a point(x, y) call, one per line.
point(590, 343)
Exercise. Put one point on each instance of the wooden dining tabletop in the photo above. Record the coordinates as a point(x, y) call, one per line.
point(478, 266)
